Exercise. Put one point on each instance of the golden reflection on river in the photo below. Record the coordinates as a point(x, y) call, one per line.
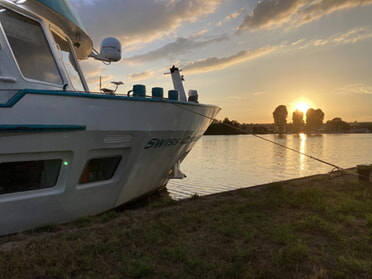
point(302, 138)
point(222, 163)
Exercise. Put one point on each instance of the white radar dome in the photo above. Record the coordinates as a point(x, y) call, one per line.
point(111, 49)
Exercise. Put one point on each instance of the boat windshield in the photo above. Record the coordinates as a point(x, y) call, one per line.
point(66, 56)
point(30, 47)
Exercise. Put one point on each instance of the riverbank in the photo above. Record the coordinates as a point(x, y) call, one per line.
point(314, 227)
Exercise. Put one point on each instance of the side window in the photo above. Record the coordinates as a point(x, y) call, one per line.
point(67, 57)
point(30, 47)
point(28, 175)
point(99, 169)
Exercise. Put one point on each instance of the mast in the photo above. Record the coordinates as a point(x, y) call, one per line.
point(177, 83)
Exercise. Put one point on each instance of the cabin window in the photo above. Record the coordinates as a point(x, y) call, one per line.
point(99, 169)
point(68, 59)
point(28, 175)
point(30, 47)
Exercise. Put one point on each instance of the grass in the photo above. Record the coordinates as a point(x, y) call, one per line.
point(316, 227)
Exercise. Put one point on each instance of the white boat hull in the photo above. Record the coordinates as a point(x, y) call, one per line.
point(149, 136)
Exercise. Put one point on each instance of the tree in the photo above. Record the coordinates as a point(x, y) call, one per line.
point(298, 121)
point(336, 125)
point(280, 118)
point(314, 119)
point(258, 129)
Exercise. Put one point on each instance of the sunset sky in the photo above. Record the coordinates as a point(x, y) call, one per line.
point(246, 56)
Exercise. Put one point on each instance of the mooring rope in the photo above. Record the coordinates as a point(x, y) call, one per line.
point(342, 170)
point(255, 135)
point(294, 150)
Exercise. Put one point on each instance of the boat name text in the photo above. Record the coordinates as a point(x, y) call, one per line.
point(159, 142)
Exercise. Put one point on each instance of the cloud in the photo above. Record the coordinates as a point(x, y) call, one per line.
point(140, 21)
point(348, 37)
point(324, 7)
point(91, 70)
point(183, 45)
point(232, 16)
point(179, 46)
point(215, 63)
point(141, 76)
point(269, 14)
point(258, 93)
point(354, 88)
point(352, 36)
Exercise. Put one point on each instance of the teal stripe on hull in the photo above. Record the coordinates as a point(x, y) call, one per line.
point(39, 128)
point(20, 94)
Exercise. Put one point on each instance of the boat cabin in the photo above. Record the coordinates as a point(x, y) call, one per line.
point(36, 51)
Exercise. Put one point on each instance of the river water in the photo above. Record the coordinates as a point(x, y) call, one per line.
point(223, 163)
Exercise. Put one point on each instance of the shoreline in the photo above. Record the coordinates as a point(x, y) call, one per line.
point(311, 227)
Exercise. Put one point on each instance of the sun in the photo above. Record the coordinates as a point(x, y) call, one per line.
point(302, 106)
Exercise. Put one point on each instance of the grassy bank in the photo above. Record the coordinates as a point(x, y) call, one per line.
point(317, 227)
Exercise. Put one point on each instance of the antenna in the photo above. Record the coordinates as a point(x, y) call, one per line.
point(107, 90)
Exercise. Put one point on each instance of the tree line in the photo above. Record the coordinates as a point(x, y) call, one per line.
point(314, 123)
point(314, 120)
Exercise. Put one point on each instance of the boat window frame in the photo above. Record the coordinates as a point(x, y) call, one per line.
point(46, 36)
point(54, 31)
point(99, 169)
point(10, 73)
point(37, 174)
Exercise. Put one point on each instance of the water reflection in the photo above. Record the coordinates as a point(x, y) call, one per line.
point(302, 138)
point(299, 143)
point(221, 163)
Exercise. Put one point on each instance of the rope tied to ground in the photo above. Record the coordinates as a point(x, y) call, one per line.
point(338, 168)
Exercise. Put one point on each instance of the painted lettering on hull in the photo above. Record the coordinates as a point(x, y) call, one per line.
point(166, 142)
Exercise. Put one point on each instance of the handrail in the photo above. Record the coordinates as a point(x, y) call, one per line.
point(8, 79)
